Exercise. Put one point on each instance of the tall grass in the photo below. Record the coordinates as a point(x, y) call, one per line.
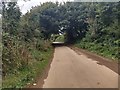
point(22, 62)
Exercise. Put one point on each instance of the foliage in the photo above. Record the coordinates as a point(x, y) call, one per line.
point(28, 75)
point(67, 18)
point(25, 52)
point(103, 34)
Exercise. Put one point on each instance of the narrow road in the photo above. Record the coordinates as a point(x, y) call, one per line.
point(71, 70)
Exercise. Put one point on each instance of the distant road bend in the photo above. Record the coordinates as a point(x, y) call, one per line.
point(71, 70)
point(57, 43)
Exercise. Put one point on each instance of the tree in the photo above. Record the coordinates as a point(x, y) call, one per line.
point(66, 18)
point(11, 17)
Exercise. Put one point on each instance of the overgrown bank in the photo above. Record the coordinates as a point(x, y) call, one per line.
point(106, 51)
point(25, 50)
point(25, 69)
point(106, 44)
point(103, 35)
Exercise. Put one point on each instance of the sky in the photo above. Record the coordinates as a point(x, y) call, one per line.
point(25, 6)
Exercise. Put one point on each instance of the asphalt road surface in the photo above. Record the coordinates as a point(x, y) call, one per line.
point(71, 70)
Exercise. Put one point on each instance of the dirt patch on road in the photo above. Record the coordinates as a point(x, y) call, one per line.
point(100, 59)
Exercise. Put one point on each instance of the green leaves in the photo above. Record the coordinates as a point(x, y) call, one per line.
point(11, 18)
point(103, 34)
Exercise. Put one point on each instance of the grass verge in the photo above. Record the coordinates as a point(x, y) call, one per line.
point(27, 75)
point(106, 51)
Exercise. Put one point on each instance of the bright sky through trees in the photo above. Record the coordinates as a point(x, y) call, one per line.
point(25, 6)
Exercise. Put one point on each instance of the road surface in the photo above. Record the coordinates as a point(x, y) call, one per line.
point(71, 70)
